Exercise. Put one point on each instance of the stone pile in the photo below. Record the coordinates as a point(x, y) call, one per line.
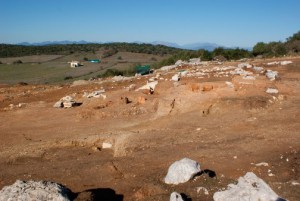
point(95, 94)
point(65, 102)
point(35, 190)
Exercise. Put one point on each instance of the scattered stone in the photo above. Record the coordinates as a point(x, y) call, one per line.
point(176, 197)
point(21, 105)
point(272, 91)
point(182, 171)
point(273, 63)
point(262, 164)
point(244, 65)
point(118, 78)
point(176, 77)
point(271, 174)
point(258, 69)
point(32, 190)
point(199, 189)
point(179, 62)
point(195, 61)
point(96, 148)
point(229, 84)
point(283, 63)
point(272, 75)
point(106, 145)
point(294, 183)
point(95, 94)
point(167, 68)
point(149, 86)
point(58, 104)
point(131, 87)
point(249, 187)
point(249, 77)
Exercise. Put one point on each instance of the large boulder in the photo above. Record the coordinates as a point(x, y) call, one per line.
point(250, 188)
point(32, 190)
point(182, 171)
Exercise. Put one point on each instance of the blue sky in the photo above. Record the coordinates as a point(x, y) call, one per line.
point(240, 23)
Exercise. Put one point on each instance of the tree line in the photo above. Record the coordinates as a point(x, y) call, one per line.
point(290, 46)
point(7, 50)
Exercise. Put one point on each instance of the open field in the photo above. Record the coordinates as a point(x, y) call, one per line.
point(228, 130)
point(55, 68)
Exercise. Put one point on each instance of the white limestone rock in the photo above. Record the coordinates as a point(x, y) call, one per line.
point(58, 104)
point(258, 69)
point(149, 85)
point(32, 190)
point(272, 75)
point(167, 68)
point(176, 77)
point(272, 91)
point(176, 197)
point(182, 171)
point(250, 188)
point(283, 63)
point(244, 65)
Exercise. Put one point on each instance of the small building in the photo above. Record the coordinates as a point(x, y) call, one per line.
point(74, 64)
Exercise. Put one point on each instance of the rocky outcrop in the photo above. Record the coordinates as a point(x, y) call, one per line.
point(35, 190)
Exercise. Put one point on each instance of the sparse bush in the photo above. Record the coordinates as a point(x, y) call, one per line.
point(111, 73)
point(120, 58)
point(85, 59)
point(109, 52)
point(0, 62)
point(68, 78)
point(17, 62)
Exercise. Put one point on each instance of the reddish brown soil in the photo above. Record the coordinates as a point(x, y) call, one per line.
point(226, 130)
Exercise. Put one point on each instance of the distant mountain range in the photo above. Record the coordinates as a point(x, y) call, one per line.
point(191, 46)
point(64, 42)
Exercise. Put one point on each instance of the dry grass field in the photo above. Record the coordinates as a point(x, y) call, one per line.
point(48, 69)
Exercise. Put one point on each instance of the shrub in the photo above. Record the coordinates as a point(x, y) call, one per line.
point(17, 62)
point(109, 52)
point(111, 73)
point(68, 78)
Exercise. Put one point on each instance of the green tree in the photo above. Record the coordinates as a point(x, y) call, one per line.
point(260, 49)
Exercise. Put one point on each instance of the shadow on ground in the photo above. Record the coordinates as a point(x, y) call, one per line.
point(105, 194)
